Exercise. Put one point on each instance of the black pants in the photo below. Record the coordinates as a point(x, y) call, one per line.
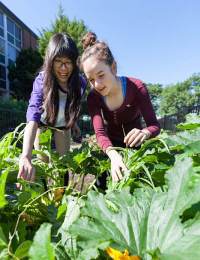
point(101, 181)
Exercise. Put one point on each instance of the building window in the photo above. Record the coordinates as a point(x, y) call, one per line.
point(2, 77)
point(1, 25)
point(14, 33)
point(18, 33)
point(10, 26)
point(2, 51)
point(12, 54)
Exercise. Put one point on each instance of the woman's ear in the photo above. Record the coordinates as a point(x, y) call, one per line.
point(114, 68)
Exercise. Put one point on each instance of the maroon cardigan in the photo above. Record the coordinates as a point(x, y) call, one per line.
point(108, 125)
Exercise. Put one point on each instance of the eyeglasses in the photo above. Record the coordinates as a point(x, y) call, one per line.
point(59, 63)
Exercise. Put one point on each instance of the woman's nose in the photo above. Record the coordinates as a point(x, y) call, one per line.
point(63, 66)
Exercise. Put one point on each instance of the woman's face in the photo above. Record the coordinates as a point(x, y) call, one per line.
point(63, 68)
point(101, 76)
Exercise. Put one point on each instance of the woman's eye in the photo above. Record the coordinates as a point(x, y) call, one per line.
point(68, 63)
point(58, 62)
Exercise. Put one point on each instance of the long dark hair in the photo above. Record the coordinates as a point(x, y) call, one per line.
point(61, 45)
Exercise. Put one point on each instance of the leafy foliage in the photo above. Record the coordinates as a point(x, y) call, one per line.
point(177, 96)
point(22, 74)
point(13, 104)
point(153, 212)
point(146, 223)
point(42, 241)
point(76, 29)
point(155, 91)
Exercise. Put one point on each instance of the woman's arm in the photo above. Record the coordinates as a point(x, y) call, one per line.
point(35, 108)
point(33, 115)
point(136, 136)
point(26, 170)
point(117, 165)
point(29, 138)
point(147, 110)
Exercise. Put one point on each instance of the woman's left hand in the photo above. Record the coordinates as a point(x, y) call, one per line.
point(136, 137)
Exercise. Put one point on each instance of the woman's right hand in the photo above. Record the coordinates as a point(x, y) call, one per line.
point(26, 169)
point(117, 165)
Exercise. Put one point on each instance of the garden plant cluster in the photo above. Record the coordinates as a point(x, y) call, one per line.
point(152, 213)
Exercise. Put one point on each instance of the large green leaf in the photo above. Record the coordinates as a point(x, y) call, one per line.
point(72, 214)
point(165, 230)
point(23, 248)
point(148, 223)
point(188, 126)
point(117, 218)
point(4, 254)
point(182, 138)
point(3, 240)
point(42, 247)
point(192, 122)
point(192, 148)
point(3, 177)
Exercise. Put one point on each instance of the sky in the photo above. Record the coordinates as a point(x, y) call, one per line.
point(153, 40)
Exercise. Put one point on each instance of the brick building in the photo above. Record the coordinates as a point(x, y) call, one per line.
point(14, 36)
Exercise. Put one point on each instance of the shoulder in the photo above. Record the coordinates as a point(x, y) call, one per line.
point(39, 80)
point(137, 83)
point(40, 77)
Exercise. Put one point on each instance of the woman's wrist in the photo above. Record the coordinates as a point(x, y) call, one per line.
point(25, 156)
point(108, 149)
point(147, 133)
point(111, 152)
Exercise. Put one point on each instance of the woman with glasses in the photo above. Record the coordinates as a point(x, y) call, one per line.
point(55, 101)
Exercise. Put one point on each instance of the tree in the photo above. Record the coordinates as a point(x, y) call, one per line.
point(194, 87)
point(76, 29)
point(175, 97)
point(155, 92)
point(23, 72)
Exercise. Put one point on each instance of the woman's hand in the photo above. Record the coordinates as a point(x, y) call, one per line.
point(117, 165)
point(136, 137)
point(26, 169)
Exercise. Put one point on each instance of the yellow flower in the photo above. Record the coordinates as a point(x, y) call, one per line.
point(117, 255)
point(58, 194)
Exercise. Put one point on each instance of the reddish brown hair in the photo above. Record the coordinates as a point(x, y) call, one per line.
point(99, 49)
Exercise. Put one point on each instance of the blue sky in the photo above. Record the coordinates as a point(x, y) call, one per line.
point(156, 41)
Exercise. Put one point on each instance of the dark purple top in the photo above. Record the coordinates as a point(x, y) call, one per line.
point(109, 126)
point(35, 109)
